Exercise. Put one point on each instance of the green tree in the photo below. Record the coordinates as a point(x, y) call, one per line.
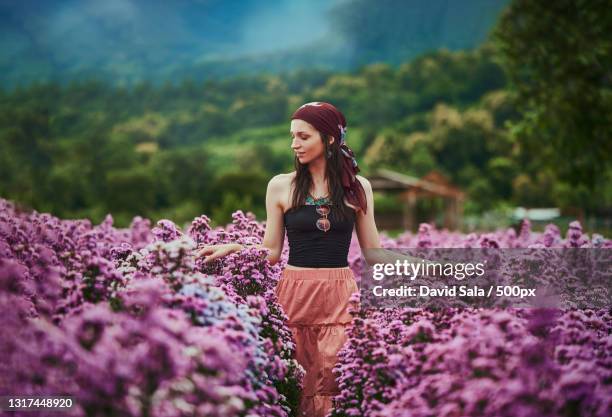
point(222, 213)
point(182, 174)
point(130, 190)
point(557, 56)
point(248, 184)
point(27, 147)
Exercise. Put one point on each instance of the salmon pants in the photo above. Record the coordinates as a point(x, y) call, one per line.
point(316, 303)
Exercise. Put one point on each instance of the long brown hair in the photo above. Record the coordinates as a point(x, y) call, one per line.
point(333, 173)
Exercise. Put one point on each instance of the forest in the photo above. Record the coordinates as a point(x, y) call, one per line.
point(494, 119)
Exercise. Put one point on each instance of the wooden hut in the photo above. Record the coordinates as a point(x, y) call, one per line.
point(410, 189)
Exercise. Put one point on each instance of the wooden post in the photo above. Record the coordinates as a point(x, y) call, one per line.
point(408, 211)
point(449, 213)
point(459, 203)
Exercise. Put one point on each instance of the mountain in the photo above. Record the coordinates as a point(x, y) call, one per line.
point(127, 41)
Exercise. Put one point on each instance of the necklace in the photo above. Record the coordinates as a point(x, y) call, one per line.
point(317, 201)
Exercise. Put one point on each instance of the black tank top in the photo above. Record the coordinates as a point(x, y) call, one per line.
point(310, 247)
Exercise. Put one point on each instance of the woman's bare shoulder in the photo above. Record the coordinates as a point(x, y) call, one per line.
point(284, 179)
point(364, 182)
point(282, 187)
point(366, 186)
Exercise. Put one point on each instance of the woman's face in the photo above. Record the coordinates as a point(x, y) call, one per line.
point(306, 143)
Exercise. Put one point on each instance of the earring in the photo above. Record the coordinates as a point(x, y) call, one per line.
point(329, 154)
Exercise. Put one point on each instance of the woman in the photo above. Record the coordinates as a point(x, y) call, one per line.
point(318, 205)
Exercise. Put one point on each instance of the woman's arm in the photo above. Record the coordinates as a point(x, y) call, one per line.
point(367, 233)
point(365, 226)
point(274, 235)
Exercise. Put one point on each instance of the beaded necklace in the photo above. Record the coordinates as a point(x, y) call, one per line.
point(318, 201)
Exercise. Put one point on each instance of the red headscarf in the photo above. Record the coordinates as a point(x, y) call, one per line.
point(329, 120)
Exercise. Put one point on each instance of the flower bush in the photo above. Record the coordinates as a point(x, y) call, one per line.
point(130, 323)
point(475, 361)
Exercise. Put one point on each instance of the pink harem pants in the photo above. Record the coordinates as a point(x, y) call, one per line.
point(316, 303)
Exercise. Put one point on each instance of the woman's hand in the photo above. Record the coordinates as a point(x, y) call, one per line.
point(217, 251)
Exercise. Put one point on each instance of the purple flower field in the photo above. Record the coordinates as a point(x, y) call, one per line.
point(129, 323)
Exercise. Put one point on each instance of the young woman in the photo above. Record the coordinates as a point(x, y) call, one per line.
point(318, 205)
